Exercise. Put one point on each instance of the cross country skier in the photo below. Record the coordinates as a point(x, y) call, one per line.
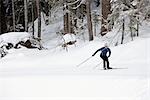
point(104, 50)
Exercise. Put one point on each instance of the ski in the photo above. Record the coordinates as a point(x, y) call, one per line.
point(113, 68)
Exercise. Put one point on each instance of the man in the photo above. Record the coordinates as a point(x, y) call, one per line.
point(104, 50)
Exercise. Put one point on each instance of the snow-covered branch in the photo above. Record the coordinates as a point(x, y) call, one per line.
point(73, 2)
point(81, 2)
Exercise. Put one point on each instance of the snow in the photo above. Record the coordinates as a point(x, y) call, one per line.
point(47, 75)
point(134, 2)
point(14, 37)
point(69, 37)
point(32, 74)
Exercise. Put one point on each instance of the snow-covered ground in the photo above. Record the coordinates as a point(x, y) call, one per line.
point(54, 74)
point(50, 75)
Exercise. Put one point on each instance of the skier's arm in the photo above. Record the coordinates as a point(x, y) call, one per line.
point(97, 51)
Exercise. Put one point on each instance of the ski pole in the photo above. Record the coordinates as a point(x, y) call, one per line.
point(84, 61)
point(97, 65)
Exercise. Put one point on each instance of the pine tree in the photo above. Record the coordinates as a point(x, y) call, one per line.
point(128, 14)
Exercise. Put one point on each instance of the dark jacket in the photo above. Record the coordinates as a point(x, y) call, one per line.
point(104, 51)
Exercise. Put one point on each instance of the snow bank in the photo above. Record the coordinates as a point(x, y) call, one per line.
point(69, 37)
point(14, 37)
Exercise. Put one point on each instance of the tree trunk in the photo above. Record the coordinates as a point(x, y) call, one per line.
point(131, 32)
point(3, 25)
point(13, 12)
point(131, 28)
point(106, 10)
point(65, 23)
point(138, 26)
point(69, 23)
point(123, 30)
point(32, 18)
point(0, 17)
point(95, 23)
point(67, 28)
point(39, 19)
point(89, 21)
point(26, 15)
point(49, 8)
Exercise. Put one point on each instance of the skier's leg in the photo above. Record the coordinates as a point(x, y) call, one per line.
point(104, 64)
point(108, 64)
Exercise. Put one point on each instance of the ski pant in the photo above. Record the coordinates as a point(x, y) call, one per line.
point(105, 61)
